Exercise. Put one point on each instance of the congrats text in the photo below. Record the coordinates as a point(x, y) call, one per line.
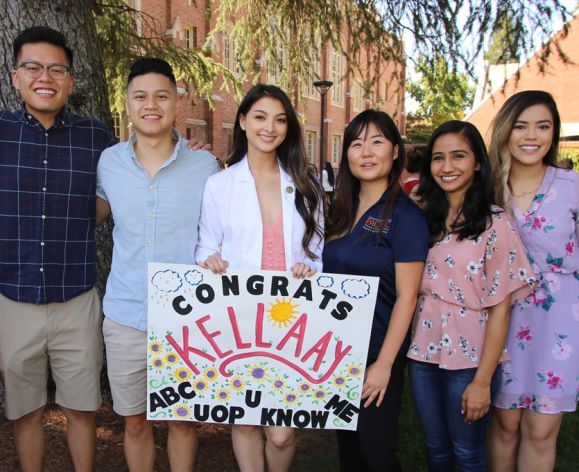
point(257, 347)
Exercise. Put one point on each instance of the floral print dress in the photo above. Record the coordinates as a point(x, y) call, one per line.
point(543, 342)
point(461, 281)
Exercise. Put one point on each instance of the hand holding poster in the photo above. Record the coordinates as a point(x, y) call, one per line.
point(257, 347)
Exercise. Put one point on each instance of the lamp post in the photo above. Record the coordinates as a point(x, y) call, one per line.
point(322, 86)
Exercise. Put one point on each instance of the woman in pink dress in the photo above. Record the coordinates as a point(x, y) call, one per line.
point(476, 267)
point(542, 379)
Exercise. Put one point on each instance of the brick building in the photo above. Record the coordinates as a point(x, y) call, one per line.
point(187, 24)
point(558, 78)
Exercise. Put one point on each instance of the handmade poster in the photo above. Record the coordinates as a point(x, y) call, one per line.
point(257, 347)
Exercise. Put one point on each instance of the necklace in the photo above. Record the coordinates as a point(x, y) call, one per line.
point(530, 192)
point(523, 194)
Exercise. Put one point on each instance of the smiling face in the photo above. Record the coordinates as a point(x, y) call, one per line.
point(151, 103)
point(453, 165)
point(44, 97)
point(265, 126)
point(370, 155)
point(531, 136)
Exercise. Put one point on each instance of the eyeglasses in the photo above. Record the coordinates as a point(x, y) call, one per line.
point(34, 69)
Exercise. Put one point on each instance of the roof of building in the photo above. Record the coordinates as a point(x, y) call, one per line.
point(559, 77)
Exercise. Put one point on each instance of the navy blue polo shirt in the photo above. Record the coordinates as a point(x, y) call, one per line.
point(372, 248)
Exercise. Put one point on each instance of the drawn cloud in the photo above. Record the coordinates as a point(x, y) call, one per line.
point(167, 280)
point(325, 281)
point(355, 288)
point(193, 277)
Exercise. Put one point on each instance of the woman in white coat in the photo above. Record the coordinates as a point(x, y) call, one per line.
point(264, 211)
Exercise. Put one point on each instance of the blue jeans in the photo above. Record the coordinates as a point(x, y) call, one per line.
point(449, 441)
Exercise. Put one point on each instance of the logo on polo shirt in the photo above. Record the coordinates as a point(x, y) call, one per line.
point(375, 225)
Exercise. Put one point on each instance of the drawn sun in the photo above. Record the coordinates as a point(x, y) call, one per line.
point(282, 312)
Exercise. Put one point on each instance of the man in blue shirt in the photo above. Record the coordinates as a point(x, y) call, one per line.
point(154, 186)
point(49, 309)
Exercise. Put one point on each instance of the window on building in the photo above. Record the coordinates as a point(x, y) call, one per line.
point(336, 149)
point(337, 73)
point(357, 98)
point(189, 37)
point(277, 67)
point(311, 145)
point(228, 137)
point(196, 129)
point(309, 90)
point(121, 126)
point(231, 54)
point(135, 5)
point(117, 121)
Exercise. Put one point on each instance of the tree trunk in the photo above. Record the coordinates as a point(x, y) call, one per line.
point(74, 18)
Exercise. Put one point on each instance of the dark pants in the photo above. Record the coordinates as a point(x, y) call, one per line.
point(374, 445)
point(449, 441)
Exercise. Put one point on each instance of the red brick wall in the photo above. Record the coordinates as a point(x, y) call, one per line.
point(213, 125)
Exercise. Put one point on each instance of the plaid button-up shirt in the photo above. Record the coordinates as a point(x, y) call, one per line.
point(47, 205)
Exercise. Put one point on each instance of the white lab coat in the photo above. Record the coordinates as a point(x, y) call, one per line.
point(231, 221)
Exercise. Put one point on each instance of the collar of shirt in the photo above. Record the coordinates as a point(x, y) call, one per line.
point(63, 118)
point(245, 175)
point(380, 201)
point(179, 146)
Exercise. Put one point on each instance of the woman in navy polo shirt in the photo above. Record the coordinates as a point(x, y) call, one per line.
point(374, 229)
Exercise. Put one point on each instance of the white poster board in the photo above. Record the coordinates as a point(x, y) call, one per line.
point(257, 347)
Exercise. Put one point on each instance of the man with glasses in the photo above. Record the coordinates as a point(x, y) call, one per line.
point(49, 309)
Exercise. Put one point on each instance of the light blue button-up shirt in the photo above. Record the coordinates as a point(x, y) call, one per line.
point(155, 220)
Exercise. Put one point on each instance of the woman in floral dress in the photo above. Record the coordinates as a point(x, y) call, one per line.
point(541, 381)
point(476, 267)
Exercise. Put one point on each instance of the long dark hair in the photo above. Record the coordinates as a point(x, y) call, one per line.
point(342, 211)
point(476, 213)
point(291, 155)
point(503, 125)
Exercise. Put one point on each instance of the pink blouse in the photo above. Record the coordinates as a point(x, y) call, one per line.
point(272, 249)
point(461, 281)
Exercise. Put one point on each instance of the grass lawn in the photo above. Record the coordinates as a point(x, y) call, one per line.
point(316, 450)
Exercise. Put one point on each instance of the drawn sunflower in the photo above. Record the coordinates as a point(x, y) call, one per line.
point(237, 383)
point(182, 374)
point(155, 347)
point(182, 411)
point(223, 395)
point(211, 374)
point(171, 358)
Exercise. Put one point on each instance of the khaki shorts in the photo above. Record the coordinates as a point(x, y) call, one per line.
point(127, 367)
point(66, 336)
